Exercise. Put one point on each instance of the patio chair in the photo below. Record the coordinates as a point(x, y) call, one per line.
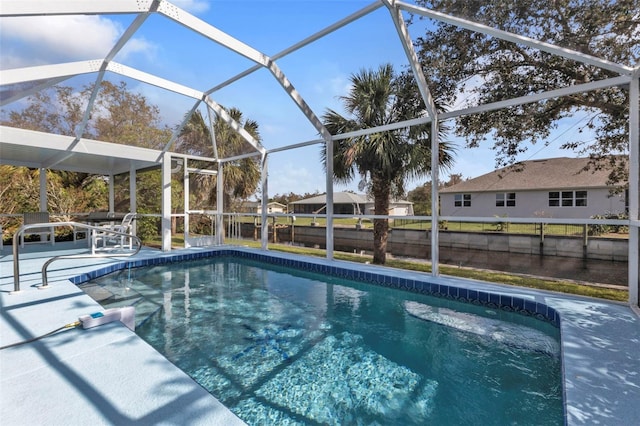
point(106, 237)
point(92, 218)
point(46, 234)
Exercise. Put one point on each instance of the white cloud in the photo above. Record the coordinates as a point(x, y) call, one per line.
point(329, 90)
point(137, 46)
point(57, 39)
point(69, 37)
point(193, 6)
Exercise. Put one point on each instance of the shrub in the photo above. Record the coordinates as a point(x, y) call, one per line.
point(597, 229)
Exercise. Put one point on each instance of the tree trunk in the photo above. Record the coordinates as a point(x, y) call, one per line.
point(381, 190)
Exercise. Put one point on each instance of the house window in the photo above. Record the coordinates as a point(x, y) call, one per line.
point(568, 199)
point(462, 200)
point(581, 198)
point(506, 200)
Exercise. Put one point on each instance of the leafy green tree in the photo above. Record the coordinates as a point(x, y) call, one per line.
point(291, 197)
point(384, 161)
point(421, 199)
point(119, 116)
point(454, 179)
point(19, 189)
point(489, 70)
point(58, 110)
point(421, 196)
point(128, 118)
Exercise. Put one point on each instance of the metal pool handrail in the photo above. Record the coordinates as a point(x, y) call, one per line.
point(45, 284)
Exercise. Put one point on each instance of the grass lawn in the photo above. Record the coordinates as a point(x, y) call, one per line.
point(511, 228)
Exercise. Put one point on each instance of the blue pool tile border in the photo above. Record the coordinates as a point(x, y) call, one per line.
point(385, 278)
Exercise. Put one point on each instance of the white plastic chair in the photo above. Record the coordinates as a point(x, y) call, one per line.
point(106, 237)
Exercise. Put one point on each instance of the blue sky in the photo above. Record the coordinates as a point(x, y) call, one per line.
point(320, 71)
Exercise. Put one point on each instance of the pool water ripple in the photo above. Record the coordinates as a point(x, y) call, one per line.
point(280, 346)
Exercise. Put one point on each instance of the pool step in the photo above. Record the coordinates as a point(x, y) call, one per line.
point(503, 332)
point(114, 295)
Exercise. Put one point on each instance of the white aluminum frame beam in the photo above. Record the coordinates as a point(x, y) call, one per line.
point(220, 205)
point(224, 115)
point(178, 129)
point(202, 171)
point(122, 41)
point(72, 7)
point(166, 203)
point(131, 30)
point(264, 185)
point(212, 132)
point(133, 192)
point(328, 30)
point(515, 38)
point(578, 88)
point(329, 199)
point(585, 87)
point(32, 90)
point(186, 181)
point(240, 157)
point(296, 145)
point(435, 201)
point(195, 157)
point(407, 45)
point(212, 33)
point(92, 99)
point(56, 71)
point(634, 189)
point(299, 101)
point(154, 80)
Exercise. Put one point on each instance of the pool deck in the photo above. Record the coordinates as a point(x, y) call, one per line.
point(102, 375)
point(108, 375)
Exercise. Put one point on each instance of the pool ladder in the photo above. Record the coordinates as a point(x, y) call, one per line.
point(45, 283)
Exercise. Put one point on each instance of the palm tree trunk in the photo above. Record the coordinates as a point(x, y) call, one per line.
point(381, 189)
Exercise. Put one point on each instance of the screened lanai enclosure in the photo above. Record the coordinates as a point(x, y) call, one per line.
point(275, 63)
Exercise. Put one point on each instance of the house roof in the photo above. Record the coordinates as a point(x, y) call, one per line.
point(550, 173)
point(344, 198)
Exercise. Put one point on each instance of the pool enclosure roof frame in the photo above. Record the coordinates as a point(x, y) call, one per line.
point(74, 153)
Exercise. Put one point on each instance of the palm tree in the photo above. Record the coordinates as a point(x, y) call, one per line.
point(384, 161)
point(241, 177)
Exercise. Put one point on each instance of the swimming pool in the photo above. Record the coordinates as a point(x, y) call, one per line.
point(291, 346)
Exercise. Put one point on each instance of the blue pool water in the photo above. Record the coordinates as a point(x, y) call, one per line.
point(281, 346)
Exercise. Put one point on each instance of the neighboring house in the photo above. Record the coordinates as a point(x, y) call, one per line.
point(555, 187)
point(250, 207)
point(256, 207)
point(273, 207)
point(348, 203)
